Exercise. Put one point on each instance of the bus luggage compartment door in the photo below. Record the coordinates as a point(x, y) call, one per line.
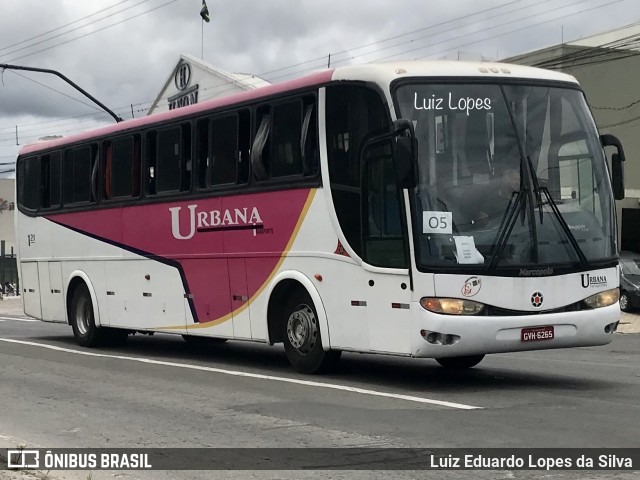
point(31, 289)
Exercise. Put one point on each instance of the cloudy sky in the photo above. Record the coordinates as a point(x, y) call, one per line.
point(121, 51)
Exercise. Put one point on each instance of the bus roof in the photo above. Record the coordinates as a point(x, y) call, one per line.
point(382, 73)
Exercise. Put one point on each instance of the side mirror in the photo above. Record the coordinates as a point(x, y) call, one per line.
point(405, 152)
point(617, 165)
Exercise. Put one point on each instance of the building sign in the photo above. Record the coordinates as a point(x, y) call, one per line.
point(187, 95)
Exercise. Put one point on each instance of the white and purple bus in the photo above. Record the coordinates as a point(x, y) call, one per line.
point(425, 209)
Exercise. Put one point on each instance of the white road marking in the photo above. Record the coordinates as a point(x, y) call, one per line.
point(345, 388)
point(15, 319)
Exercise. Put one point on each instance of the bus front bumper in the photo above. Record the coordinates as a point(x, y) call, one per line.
point(439, 336)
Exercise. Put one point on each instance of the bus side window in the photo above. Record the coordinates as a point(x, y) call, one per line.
point(122, 167)
point(28, 183)
point(169, 162)
point(50, 174)
point(260, 152)
point(309, 139)
point(108, 166)
point(286, 155)
point(80, 174)
point(202, 153)
point(150, 177)
point(352, 114)
point(222, 147)
point(224, 144)
point(244, 145)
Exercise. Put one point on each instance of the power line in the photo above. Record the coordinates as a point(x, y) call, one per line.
point(413, 40)
point(617, 109)
point(623, 122)
point(93, 32)
point(61, 27)
point(57, 91)
point(508, 32)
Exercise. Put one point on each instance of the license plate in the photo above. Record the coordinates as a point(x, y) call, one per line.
point(536, 334)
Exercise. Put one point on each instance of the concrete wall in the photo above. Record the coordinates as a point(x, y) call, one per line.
point(609, 86)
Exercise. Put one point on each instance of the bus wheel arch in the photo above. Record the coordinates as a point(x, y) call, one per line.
point(287, 285)
point(81, 315)
point(76, 279)
point(296, 317)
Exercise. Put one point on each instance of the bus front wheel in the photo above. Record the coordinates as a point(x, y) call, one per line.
point(460, 362)
point(82, 320)
point(302, 341)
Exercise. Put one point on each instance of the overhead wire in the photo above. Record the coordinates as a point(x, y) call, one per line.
point(62, 26)
point(93, 32)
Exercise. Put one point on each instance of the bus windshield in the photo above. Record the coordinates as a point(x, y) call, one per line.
point(510, 176)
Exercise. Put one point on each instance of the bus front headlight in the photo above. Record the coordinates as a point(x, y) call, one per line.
point(451, 306)
point(603, 299)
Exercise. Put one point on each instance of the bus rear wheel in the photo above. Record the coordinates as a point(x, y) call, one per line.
point(82, 320)
point(460, 362)
point(302, 341)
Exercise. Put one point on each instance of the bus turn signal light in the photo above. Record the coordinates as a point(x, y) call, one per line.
point(451, 306)
point(603, 299)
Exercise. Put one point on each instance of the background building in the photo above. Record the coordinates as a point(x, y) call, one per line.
point(607, 66)
point(193, 81)
point(8, 272)
point(7, 207)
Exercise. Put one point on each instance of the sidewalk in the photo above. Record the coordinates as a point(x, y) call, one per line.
point(11, 306)
point(629, 322)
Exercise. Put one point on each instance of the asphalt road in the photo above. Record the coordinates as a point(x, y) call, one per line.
point(160, 392)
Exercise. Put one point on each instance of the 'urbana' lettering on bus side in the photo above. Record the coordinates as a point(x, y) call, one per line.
point(214, 219)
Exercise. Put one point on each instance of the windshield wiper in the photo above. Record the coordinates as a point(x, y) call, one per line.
point(507, 224)
point(563, 225)
point(537, 190)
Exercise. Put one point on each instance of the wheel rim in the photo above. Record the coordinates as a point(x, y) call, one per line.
point(624, 301)
point(302, 329)
point(83, 315)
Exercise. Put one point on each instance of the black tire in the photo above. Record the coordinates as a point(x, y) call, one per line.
point(82, 320)
point(202, 341)
point(459, 363)
point(302, 340)
point(625, 306)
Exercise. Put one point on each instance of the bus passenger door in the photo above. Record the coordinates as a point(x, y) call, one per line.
point(389, 311)
point(384, 242)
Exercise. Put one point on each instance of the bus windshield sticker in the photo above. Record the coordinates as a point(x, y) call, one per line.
point(466, 252)
point(437, 222)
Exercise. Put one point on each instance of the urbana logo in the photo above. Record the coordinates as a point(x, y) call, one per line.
point(593, 280)
point(536, 272)
point(231, 219)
